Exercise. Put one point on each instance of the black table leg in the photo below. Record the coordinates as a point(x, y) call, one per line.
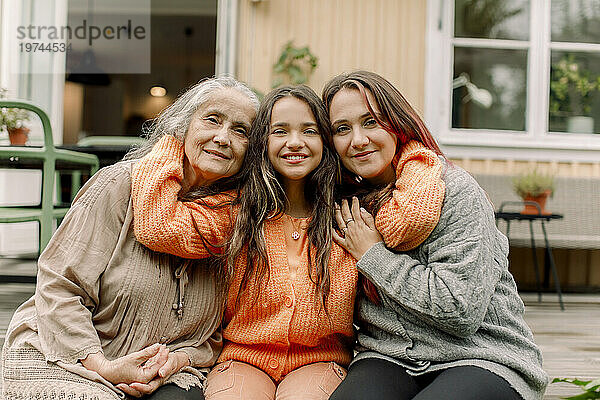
point(553, 267)
point(535, 263)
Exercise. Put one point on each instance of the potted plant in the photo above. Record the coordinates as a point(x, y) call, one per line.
point(571, 93)
point(295, 65)
point(534, 187)
point(12, 120)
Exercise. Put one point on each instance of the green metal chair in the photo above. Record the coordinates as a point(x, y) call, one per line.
point(48, 159)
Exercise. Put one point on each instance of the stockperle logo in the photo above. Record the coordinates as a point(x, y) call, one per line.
point(99, 37)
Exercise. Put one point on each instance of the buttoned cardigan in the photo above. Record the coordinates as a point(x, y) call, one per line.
point(276, 324)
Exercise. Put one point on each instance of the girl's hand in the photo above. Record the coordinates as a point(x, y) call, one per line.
point(140, 366)
point(175, 362)
point(358, 228)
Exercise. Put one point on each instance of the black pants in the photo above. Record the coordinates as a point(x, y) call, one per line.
point(174, 392)
point(374, 378)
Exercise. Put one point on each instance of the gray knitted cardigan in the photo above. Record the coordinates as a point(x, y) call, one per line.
point(451, 301)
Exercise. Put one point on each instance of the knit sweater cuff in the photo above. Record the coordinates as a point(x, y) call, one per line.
point(414, 209)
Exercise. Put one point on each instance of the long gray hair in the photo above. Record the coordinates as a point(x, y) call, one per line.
point(175, 119)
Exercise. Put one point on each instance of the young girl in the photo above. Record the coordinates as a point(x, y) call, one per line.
point(443, 320)
point(288, 321)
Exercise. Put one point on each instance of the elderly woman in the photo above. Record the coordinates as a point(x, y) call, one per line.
point(109, 317)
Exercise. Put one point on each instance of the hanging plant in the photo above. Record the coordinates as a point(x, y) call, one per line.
point(295, 65)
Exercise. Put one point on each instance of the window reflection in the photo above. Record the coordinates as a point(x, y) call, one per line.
point(576, 21)
point(574, 104)
point(492, 19)
point(503, 73)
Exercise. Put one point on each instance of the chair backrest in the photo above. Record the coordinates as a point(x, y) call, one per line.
point(25, 105)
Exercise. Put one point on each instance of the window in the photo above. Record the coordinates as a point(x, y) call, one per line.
point(515, 78)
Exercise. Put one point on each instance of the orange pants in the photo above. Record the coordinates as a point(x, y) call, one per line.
point(234, 380)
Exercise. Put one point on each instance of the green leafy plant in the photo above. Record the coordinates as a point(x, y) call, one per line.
point(11, 118)
point(295, 65)
point(591, 389)
point(533, 184)
point(571, 88)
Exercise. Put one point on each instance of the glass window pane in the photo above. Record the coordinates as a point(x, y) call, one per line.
point(489, 89)
point(576, 21)
point(492, 19)
point(574, 92)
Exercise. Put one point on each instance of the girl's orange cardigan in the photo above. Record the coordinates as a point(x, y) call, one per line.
point(278, 324)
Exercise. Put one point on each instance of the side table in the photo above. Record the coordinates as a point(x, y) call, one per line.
point(548, 259)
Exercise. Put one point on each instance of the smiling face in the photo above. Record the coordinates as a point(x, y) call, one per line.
point(365, 148)
point(217, 137)
point(295, 147)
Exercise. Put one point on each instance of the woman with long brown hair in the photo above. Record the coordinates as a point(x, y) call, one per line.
point(288, 321)
point(440, 317)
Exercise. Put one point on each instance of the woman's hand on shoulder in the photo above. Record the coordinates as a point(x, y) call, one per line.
point(175, 361)
point(358, 231)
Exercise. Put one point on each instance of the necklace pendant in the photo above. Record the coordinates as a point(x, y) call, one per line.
point(295, 235)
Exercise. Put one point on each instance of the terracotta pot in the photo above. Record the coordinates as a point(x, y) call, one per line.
point(541, 200)
point(18, 136)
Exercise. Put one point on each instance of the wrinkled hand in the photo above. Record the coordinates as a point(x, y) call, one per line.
point(140, 366)
point(358, 231)
point(174, 363)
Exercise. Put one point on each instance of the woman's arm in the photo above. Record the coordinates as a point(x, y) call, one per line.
point(161, 221)
point(69, 269)
point(412, 213)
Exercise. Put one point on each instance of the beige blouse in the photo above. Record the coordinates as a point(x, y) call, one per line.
point(98, 289)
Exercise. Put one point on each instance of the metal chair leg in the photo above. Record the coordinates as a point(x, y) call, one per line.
point(553, 267)
point(535, 263)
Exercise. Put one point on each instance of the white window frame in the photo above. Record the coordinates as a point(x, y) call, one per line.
point(536, 143)
point(225, 58)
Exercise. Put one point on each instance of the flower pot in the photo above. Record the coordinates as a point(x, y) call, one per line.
point(580, 124)
point(18, 136)
point(531, 209)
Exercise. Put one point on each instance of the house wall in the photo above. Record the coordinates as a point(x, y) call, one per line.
point(384, 36)
point(387, 37)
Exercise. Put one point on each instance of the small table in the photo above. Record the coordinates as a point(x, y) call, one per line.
point(548, 259)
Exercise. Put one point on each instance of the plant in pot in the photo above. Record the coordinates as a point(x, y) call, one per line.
point(294, 66)
point(572, 89)
point(12, 120)
point(534, 187)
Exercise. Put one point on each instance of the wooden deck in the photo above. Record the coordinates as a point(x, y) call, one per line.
point(569, 340)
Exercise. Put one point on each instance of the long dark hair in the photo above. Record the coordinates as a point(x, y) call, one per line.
point(397, 117)
point(263, 196)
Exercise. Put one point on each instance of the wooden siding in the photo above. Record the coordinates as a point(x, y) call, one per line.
point(384, 36)
point(514, 167)
point(578, 269)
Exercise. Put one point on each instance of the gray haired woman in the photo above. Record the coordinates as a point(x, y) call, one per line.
point(110, 318)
